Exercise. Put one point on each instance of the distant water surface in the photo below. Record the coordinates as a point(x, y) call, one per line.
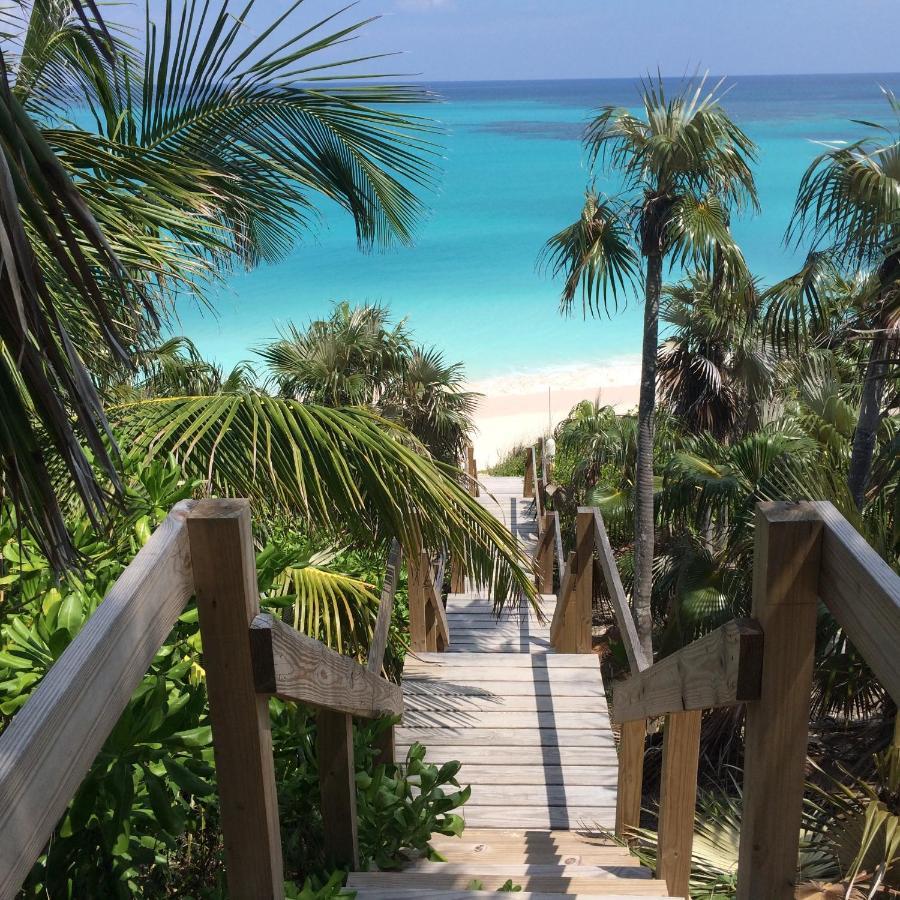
point(513, 175)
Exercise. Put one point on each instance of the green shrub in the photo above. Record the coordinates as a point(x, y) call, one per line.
point(512, 463)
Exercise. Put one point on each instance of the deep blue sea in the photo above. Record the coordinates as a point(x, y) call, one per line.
point(514, 174)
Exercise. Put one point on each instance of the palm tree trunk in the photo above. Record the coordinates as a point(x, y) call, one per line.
point(869, 419)
point(643, 505)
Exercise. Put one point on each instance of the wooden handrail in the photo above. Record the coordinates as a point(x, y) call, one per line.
point(852, 570)
point(203, 548)
point(804, 553)
point(382, 627)
point(528, 482)
point(48, 747)
point(293, 666)
point(439, 631)
point(637, 661)
point(566, 587)
point(723, 668)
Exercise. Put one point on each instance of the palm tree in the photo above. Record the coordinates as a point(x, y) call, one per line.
point(356, 357)
point(208, 148)
point(715, 371)
point(849, 200)
point(686, 168)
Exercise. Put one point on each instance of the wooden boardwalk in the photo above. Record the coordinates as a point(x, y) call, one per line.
point(532, 731)
point(530, 726)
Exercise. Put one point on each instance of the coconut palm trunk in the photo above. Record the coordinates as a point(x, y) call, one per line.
point(869, 420)
point(643, 506)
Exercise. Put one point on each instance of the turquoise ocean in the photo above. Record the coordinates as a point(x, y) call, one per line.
point(514, 173)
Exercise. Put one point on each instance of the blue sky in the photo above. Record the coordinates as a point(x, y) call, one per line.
point(515, 39)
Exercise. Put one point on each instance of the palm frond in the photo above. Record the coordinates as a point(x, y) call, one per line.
point(343, 470)
point(595, 255)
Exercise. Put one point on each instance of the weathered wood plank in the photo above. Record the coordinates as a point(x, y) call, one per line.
point(515, 754)
point(426, 700)
point(466, 660)
point(385, 610)
point(786, 566)
point(630, 777)
point(224, 565)
point(558, 629)
point(862, 592)
point(678, 798)
point(636, 660)
point(49, 745)
point(517, 870)
point(625, 887)
point(580, 613)
point(585, 720)
point(512, 795)
point(599, 774)
point(394, 893)
point(417, 575)
point(723, 668)
point(433, 598)
point(337, 787)
point(467, 686)
point(293, 666)
point(506, 737)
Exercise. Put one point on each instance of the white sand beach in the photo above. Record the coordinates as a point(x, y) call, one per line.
point(525, 405)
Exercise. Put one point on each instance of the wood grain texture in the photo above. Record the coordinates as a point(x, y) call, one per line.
point(295, 667)
point(385, 610)
point(559, 633)
point(723, 668)
point(528, 483)
point(433, 585)
point(862, 592)
point(624, 887)
point(630, 777)
point(627, 628)
point(49, 745)
point(786, 565)
point(678, 799)
point(337, 788)
point(416, 582)
point(224, 566)
point(580, 613)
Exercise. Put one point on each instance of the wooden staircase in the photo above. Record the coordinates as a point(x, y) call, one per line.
point(531, 728)
point(521, 704)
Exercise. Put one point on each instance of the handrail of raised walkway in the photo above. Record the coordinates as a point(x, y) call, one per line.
point(205, 549)
point(804, 553)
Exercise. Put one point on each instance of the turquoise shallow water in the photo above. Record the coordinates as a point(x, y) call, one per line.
point(513, 175)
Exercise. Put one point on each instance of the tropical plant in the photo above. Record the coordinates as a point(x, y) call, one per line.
point(849, 203)
point(206, 148)
point(714, 369)
point(356, 357)
point(686, 169)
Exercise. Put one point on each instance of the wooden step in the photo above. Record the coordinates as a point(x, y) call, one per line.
point(515, 871)
point(589, 884)
point(419, 894)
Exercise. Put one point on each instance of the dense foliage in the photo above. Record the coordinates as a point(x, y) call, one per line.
point(781, 392)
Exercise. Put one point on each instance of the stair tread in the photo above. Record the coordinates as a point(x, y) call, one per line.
point(591, 884)
point(438, 894)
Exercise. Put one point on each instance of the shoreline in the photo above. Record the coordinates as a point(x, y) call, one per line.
point(522, 406)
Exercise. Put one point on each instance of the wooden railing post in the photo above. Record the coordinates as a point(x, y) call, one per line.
point(337, 787)
point(472, 470)
point(224, 568)
point(418, 622)
point(787, 556)
point(631, 777)
point(457, 575)
point(581, 606)
point(678, 799)
point(528, 483)
point(546, 555)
